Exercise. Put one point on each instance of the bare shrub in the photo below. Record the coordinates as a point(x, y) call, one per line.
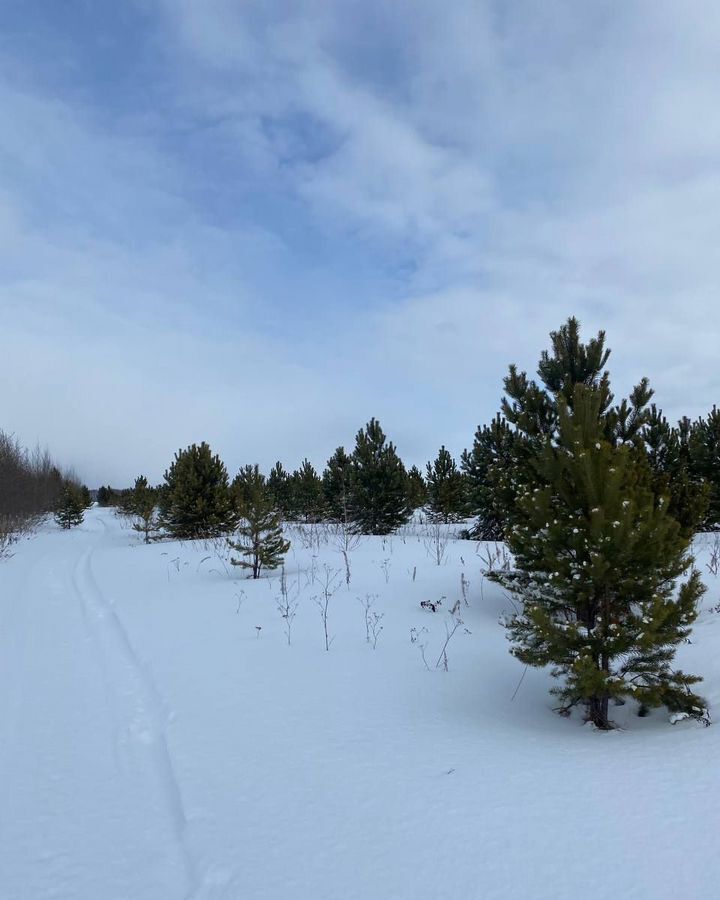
point(372, 619)
point(287, 606)
point(310, 536)
point(330, 582)
point(418, 639)
point(435, 540)
point(345, 541)
point(375, 627)
point(451, 627)
point(713, 564)
point(7, 539)
point(464, 588)
point(495, 559)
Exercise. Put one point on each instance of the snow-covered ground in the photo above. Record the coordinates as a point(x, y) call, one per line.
point(160, 739)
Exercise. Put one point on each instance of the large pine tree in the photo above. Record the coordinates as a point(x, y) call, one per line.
point(196, 500)
point(379, 483)
point(531, 409)
point(446, 494)
point(597, 551)
point(259, 539)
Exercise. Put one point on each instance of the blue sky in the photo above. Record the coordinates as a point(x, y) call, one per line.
point(262, 223)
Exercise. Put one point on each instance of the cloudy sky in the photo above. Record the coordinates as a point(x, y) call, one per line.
point(260, 223)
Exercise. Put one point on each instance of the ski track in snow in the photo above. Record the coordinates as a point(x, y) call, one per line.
point(137, 706)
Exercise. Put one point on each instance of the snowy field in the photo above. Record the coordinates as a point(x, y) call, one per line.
point(160, 739)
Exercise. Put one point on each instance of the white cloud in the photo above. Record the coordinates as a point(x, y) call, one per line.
point(488, 169)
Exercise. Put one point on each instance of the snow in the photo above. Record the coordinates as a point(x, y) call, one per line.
point(155, 744)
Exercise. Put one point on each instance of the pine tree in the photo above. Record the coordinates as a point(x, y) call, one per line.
point(532, 409)
point(243, 485)
point(260, 537)
point(447, 500)
point(280, 486)
point(70, 510)
point(308, 495)
point(497, 465)
point(535, 409)
point(416, 489)
point(110, 496)
point(704, 463)
point(597, 557)
point(490, 455)
point(668, 454)
point(143, 506)
point(196, 500)
point(337, 486)
point(124, 502)
point(379, 483)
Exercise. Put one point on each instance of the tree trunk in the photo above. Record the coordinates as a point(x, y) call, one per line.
point(598, 706)
point(597, 712)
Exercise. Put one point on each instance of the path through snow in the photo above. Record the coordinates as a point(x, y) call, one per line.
point(91, 807)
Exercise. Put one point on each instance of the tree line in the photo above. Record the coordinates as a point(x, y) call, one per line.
point(32, 485)
point(597, 500)
point(370, 490)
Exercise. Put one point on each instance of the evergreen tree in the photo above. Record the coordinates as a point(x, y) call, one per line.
point(379, 483)
point(196, 501)
point(243, 485)
point(660, 442)
point(532, 409)
point(704, 463)
point(668, 454)
point(70, 510)
point(109, 496)
point(491, 454)
point(259, 535)
point(124, 502)
point(497, 466)
point(143, 506)
point(597, 557)
point(337, 486)
point(416, 489)
point(447, 499)
point(85, 496)
point(280, 486)
point(308, 495)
